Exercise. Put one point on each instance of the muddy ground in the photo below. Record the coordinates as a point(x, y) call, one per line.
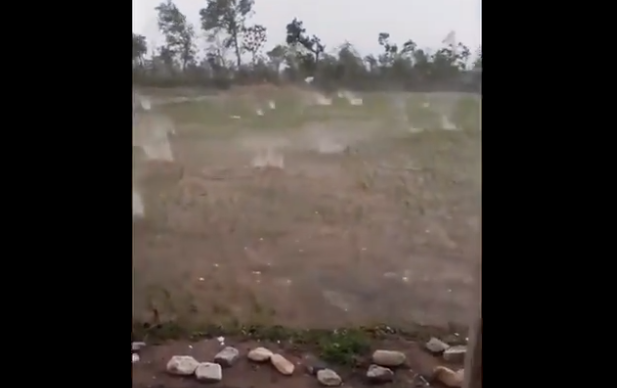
point(326, 220)
point(149, 371)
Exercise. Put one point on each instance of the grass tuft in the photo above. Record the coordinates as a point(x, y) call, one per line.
point(342, 346)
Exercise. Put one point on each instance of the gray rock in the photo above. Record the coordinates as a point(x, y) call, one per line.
point(182, 365)
point(227, 356)
point(436, 346)
point(389, 358)
point(313, 366)
point(329, 378)
point(379, 374)
point(455, 354)
point(137, 346)
point(453, 339)
point(209, 372)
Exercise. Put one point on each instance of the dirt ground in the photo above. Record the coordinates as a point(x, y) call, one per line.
point(149, 372)
point(360, 225)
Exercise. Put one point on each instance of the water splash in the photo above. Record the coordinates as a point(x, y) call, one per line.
point(268, 158)
point(138, 205)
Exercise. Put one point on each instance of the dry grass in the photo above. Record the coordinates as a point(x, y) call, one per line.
point(366, 222)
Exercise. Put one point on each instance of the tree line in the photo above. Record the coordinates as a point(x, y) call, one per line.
point(235, 54)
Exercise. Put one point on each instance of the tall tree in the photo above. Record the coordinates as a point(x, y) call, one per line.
point(254, 39)
point(179, 33)
point(478, 62)
point(390, 50)
point(277, 57)
point(296, 35)
point(139, 48)
point(229, 16)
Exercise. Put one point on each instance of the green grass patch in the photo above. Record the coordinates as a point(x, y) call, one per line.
point(342, 346)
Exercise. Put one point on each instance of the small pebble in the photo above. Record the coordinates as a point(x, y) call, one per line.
point(455, 354)
point(182, 365)
point(138, 345)
point(436, 346)
point(389, 358)
point(379, 374)
point(209, 372)
point(329, 378)
point(227, 356)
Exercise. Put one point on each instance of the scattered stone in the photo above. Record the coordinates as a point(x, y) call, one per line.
point(137, 346)
point(455, 354)
point(454, 339)
point(282, 364)
point(449, 377)
point(259, 354)
point(329, 378)
point(388, 358)
point(135, 357)
point(420, 382)
point(313, 366)
point(227, 356)
point(379, 374)
point(436, 346)
point(182, 365)
point(209, 372)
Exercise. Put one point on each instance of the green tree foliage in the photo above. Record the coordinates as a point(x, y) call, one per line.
point(228, 16)
point(179, 35)
point(233, 52)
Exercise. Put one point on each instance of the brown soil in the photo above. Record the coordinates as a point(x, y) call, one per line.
point(330, 240)
point(149, 372)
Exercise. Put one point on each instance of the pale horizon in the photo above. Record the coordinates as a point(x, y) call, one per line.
point(426, 22)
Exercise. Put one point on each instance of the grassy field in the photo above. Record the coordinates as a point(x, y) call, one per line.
point(279, 208)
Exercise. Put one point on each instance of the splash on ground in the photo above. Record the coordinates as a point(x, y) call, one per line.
point(312, 214)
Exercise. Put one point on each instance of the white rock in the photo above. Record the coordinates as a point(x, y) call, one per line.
point(182, 365)
point(388, 358)
point(209, 372)
point(449, 377)
point(379, 374)
point(227, 356)
point(436, 346)
point(455, 354)
point(259, 354)
point(329, 378)
point(282, 365)
point(135, 357)
point(136, 346)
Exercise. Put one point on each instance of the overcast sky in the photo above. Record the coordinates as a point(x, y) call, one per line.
point(427, 22)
